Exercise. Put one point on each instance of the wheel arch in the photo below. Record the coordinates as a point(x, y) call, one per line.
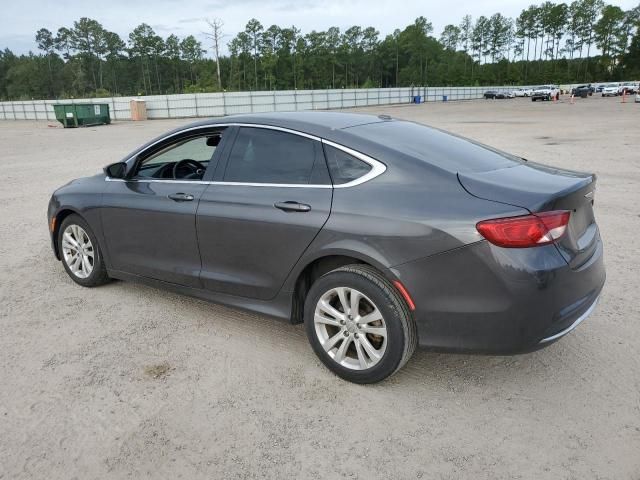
point(60, 216)
point(319, 265)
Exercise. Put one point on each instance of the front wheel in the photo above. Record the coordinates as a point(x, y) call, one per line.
point(80, 253)
point(358, 324)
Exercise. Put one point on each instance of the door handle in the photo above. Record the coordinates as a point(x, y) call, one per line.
point(290, 206)
point(181, 197)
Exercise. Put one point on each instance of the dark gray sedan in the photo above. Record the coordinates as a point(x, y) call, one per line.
point(378, 234)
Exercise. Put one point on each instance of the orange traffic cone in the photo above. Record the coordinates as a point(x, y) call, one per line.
point(624, 96)
point(555, 98)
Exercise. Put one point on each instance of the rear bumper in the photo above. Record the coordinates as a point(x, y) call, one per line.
point(485, 299)
point(570, 328)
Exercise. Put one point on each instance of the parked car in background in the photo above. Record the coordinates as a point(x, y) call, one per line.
point(599, 88)
point(545, 92)
point(320, 218)
point(637, 98)
point(610, 90)
point(628, 89)
point(494, 94)
point(522, 92)
point(582, 90)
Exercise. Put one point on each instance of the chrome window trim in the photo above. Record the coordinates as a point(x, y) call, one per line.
point(377, 167)
point(201, 182)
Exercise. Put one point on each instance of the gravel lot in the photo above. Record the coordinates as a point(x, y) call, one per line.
point(130, 381)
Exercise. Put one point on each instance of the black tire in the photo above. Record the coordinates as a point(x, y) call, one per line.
point(402, 335)
point(98, 275)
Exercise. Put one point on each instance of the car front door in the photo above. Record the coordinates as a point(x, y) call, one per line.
point(149, 218)
point(262, 211)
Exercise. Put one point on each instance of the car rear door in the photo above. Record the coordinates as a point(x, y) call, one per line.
point(150, 223)
point(261, 213)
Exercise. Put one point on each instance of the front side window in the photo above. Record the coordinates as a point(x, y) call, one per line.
point(185, 159)
point(261, 155)
point(344, 168)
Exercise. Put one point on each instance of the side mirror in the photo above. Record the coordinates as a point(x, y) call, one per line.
point(116, 170)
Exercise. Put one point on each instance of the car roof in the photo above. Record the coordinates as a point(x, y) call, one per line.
point(399, 139)
point(313, 123)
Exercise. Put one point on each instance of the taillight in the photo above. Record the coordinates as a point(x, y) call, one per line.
point(525, 231)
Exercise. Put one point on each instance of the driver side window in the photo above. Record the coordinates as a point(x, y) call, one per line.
point(185, 159)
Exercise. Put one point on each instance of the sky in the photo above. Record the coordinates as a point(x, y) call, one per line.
point(21, 19)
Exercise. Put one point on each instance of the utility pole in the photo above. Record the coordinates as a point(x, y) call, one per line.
point(216, 35)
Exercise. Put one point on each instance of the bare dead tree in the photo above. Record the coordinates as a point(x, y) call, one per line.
point(216, 35)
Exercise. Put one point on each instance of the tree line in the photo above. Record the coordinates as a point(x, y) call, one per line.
point(586, 40)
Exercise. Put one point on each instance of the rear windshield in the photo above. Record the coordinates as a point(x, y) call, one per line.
point(443, 150)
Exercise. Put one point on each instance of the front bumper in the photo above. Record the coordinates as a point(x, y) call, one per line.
point(485, 299)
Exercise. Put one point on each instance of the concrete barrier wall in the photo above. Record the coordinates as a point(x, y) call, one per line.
point(228, 103)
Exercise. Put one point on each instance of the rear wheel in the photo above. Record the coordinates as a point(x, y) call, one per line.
point(80, 253)
point(358, 324)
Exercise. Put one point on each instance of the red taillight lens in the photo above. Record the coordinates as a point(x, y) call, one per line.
point(525, 231)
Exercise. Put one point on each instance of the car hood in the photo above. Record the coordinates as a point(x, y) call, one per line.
point(92, 183)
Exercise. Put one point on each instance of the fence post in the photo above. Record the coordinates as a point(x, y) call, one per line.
point(273, 94)
point(251, 100)
point(195, 100)
point(113, 108)
point(166, 101)
point(13, 110)
point(341, 99)
point(295, 100)
point(4, 114)
point(224, 103)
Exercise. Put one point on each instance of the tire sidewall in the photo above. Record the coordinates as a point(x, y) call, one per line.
point(98, 265)
point(390, 311)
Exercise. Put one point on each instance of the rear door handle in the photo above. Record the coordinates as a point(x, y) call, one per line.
point(181, 197)
point(290, 206)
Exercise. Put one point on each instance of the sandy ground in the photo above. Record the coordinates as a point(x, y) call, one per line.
point(126, 381)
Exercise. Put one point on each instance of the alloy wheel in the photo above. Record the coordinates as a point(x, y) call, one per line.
point(350, 328)
point(78, 251)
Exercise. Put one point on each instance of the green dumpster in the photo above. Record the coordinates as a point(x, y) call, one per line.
point(82, 114)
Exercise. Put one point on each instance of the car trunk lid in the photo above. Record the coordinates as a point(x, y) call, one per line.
point(539, 188)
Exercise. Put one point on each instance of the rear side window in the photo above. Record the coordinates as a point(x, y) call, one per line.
point(262, 155)
point(344, 168)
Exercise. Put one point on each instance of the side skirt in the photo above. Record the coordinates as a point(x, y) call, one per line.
point(279, 307)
